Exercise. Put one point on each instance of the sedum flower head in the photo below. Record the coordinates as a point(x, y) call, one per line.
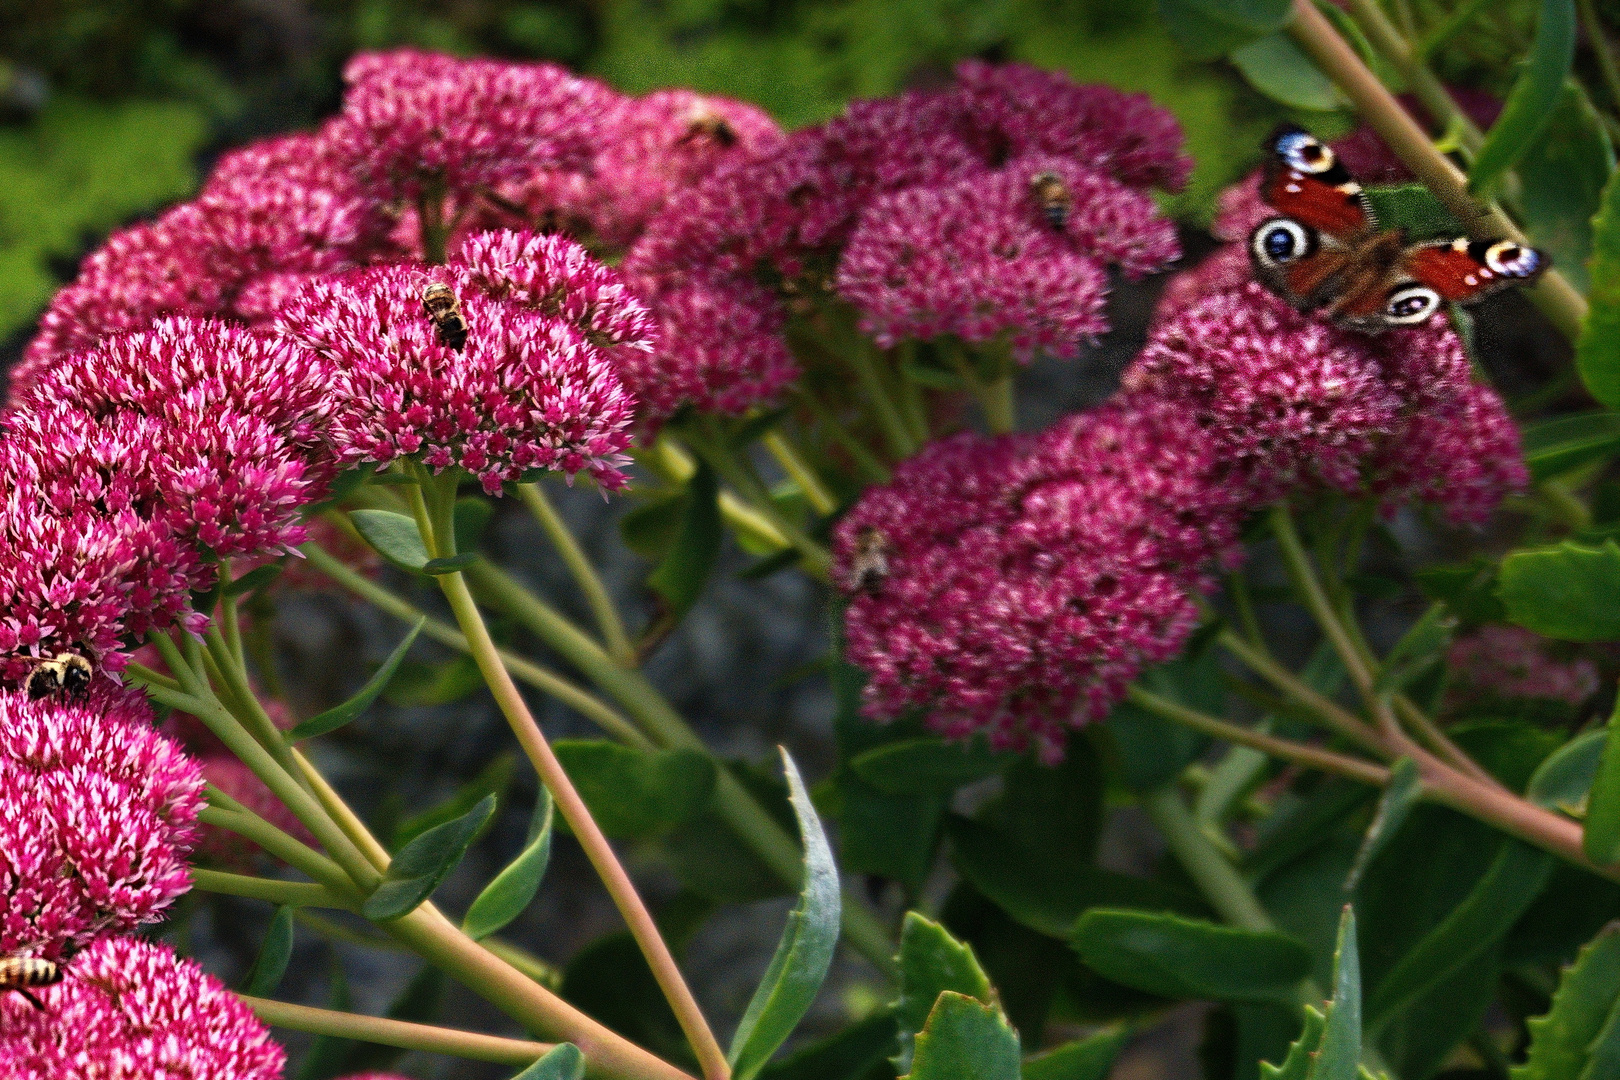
point(527, 391)
point(1099, 532)
point(131, 1009)
point(1496, 662)
point(99, 816)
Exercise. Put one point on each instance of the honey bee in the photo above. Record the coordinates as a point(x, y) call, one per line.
point(442, 307)
point(869, 564)
point(1054, 198)
point(68, 672)
point(704, 123)
point(21, 972)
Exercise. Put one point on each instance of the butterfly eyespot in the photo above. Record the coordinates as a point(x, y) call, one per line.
point(1411, 304)
point(1304, 152)
point(1280, 241)
point(1512, 260)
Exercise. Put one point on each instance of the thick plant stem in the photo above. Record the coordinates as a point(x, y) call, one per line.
point(670, 461)
point(665, 727)
point(815, 492)
point(403, 1034)
point(585, 829)
point(731, 468)
point(862, 356)
point(1000, 410)
point(1311, 756)
point(584, 574)
point(288, 849)
point(1558, 300)
point(581, 701)
point(1299, 692)
point(868, 465)
point(287, 893)
point(1215, 876)
point(1392, 45)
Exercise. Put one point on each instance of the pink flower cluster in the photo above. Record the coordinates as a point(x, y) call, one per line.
point(99, 816)
point(988, 210)
point(130, 1009)
point(1026, 580)
point(1498, 662)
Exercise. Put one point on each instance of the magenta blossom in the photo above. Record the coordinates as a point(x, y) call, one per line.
point(130, 1009)
point(99, 816)
point(1099, 531)
point(1498, 662)
point(528, 391)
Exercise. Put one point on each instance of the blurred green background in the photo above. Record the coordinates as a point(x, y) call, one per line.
point(110, 110)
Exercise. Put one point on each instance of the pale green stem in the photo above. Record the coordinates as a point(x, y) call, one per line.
point(862, 356)
point(401, 1033)
point(581, 701)
point(1557, 299)
point(341, 812)
point(736, 472)
point(578, 815)
point(1392, 45)
point(1460, 17)
point(142, 673)
point(584, 574)
point(1301, 692)
point(815, 492)
point(752, 823)
point(1599, 40)
point(286, 893)
point(1313, 757)
point(999, 408)
point(866, 463)
point(525, 961)
point(670, 461)
point(227, 665)
point(228, 613)
point(249, 826)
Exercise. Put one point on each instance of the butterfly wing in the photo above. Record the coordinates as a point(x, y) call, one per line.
point(1303, 253)
point(1464, 270)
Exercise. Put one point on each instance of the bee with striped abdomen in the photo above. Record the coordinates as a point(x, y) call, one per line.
point(445, 312)
point(1053, 197)
point(68, 672)
point(20, 973)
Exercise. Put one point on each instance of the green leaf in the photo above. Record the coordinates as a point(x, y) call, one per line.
point(450, 564)
point(1469, 589)
point(805, 951)
point(1556, 446)
point(1414, 208)
point(927, 766)
point(395, 536)
point(265, 974)
point(849, 1055)
point(1151, 751)
point(965, 1039)
point(492, 779)
point(339, 715)
point(504, 898)
point(1562, 176)
point(1566, 592)
point(1340, 1055)
point(1597, 352)
point(1495, 903)
point(1275, 66)
point(1211, 28)
point(1400, 795)
point(1083, 1059)
point(1564, 781)
point(690, 558)
point(1531, 102)
point(1302, 1053)
point(424, 862)
point(633, 793)
point(1603, 1056)
point(650, 529)
point(932, 962)
point(1419, 649)
point(324, 1058)
point(561, 1062)
point(255, 579)
point(470, 519)
point(610, 980)
point(1176, 957)
point(1560, 1041)
point(417, 683)
point(1601, 836)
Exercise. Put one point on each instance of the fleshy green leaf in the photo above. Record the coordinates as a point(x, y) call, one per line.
point(1556, 446)
point(1402, 792)
point(849, 1055)
point(492, 779)
point(561, 1062)
point(1301, 1054)
point(504, 898)
point(255, 579)
point(339, 715)
point(1419, 649)
point(1562, 176)
point(1567, 592)
point(1211, 28)
point(1414, 208)
point(965, 1039)
point(1560, 1041)
point(1083, 1059)
point(395, 536)
point(1601, 838)
point(1564, 781)
point(1597, 352)
point(450, 564)
point(637, 793)
point(1495, 903)
point(805, 951)
point(271, 964)
point(932, 962)
point(1277, 68)
point(424, 862)
point(1176, 957)
point(1534, 97)
point(927, 766)
point(1340, 1055)
point(690, 558)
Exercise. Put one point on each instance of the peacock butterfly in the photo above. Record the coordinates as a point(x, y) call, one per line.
point(1324, 250)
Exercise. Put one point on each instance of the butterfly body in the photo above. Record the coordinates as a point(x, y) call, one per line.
point(1325, 252)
